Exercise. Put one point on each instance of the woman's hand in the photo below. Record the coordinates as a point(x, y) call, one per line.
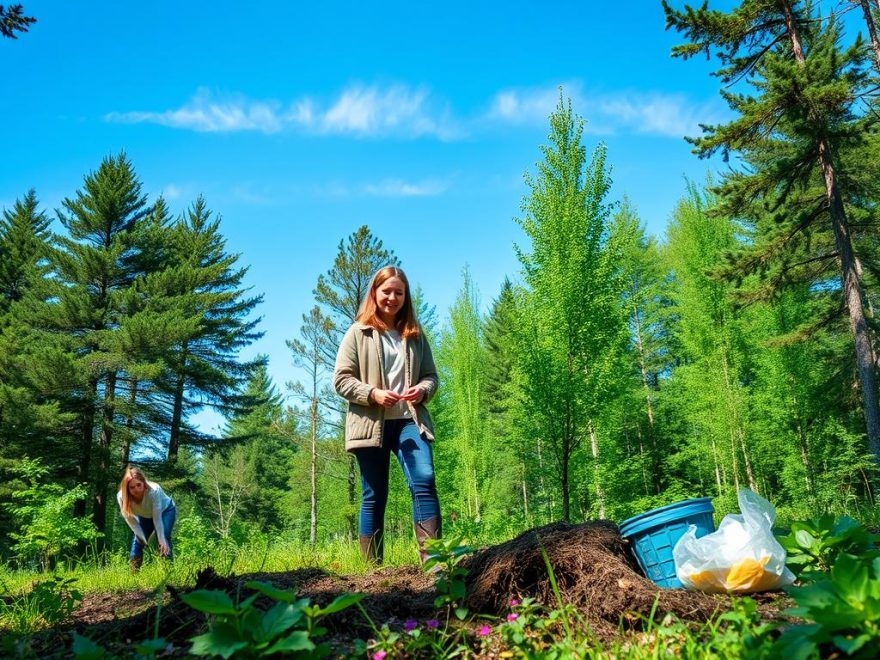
point(414, 394)
point(385, 398)
point(164, 550)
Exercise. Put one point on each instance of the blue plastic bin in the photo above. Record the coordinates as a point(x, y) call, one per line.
point(655, 533)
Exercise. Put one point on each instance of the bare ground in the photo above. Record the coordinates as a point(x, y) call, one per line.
point(591, 563)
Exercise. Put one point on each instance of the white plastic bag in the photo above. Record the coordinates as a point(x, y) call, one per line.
point(742, 556)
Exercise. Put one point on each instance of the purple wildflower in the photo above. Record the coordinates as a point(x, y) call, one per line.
point(512, 616)
point(410, 624)
point(430, 624)
point(484, 630)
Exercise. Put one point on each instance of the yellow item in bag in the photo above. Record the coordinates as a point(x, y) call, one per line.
point(747, 575)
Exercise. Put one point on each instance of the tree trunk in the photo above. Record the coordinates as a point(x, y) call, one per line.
point(849, 276)
point(125, 451)
point(87, 429)
point(649, 402)
point(313, 476)
point(872, 30)
point(99, 513)
point(594, 446)
point(717, 467)
point(525, 495)
point(177, 411)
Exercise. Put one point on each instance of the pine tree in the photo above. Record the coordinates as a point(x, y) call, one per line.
point(204, 368)
point(795, 134)
point(95, 266)
point(262, 439)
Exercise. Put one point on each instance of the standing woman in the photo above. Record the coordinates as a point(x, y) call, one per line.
point(384, 369)
point(146, 508)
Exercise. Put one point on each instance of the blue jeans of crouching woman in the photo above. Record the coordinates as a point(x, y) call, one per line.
point(169, 515)
point(400, 437)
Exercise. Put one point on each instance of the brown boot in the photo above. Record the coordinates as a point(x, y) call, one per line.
point(426, 529)
point(135, 563)
point(372, 547)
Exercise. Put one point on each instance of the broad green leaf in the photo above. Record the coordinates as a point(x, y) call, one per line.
point(461, 613)
point(283, 595)
point(150, 646)
point(342, 602)
point(805, 539)
point(85, 649)
point(850, 645)
point(850, 576)
point(298, 641)
point(212, 602)
point(222, 640)
point(279, 618)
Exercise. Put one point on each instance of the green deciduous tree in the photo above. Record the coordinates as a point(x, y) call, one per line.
point(573, 331)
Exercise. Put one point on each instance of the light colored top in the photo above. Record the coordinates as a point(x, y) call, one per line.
point(358, 372)
point(395, 372)
point(153, 503)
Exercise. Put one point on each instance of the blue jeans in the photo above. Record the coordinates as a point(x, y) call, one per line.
point(169, 515)
point(401, 437)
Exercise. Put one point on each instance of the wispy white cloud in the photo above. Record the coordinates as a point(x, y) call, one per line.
point(399, 188)
point(172, 192)
point(649, 113)
point(405, 112)
point(389, 187)
point(207, 114)
point(361, 111)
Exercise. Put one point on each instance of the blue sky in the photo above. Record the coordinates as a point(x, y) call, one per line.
point(301, 123)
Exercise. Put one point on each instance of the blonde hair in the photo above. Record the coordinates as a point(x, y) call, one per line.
point(131, 473)
point(368, 313)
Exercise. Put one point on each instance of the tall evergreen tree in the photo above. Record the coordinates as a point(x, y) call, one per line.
point(24, 235)
point(794, 134)
point(205, 368)
point(95, 265)
point(262, 439)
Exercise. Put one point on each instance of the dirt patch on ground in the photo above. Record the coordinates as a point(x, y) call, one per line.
point(591, 563)
point(594, 571)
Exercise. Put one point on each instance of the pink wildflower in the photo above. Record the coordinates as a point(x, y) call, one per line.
point(432, 623)
point(410, 624)
point(379, 655)
point(514, 602)
point(512, 616)
point(484, 630)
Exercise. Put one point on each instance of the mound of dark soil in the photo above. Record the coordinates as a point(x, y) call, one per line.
point(591, 563)
point(594, 571)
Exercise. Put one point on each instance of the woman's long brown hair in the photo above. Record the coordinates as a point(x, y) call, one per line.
point(406, 322)
point(131, 472)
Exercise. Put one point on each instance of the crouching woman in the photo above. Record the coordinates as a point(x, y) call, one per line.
point(146, 508)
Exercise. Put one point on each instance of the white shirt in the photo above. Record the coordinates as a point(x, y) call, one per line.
point(153, 503)
point(395, 372)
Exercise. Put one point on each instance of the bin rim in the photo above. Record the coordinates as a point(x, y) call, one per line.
point(644, 520)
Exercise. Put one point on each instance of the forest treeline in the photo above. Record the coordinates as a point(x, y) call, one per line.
point(614, 372)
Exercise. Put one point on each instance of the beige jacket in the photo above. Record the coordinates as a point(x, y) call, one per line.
point(360, 369)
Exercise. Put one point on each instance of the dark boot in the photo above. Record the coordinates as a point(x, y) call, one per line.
point(372, 547)
point(426, 529)
point(135, 563)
